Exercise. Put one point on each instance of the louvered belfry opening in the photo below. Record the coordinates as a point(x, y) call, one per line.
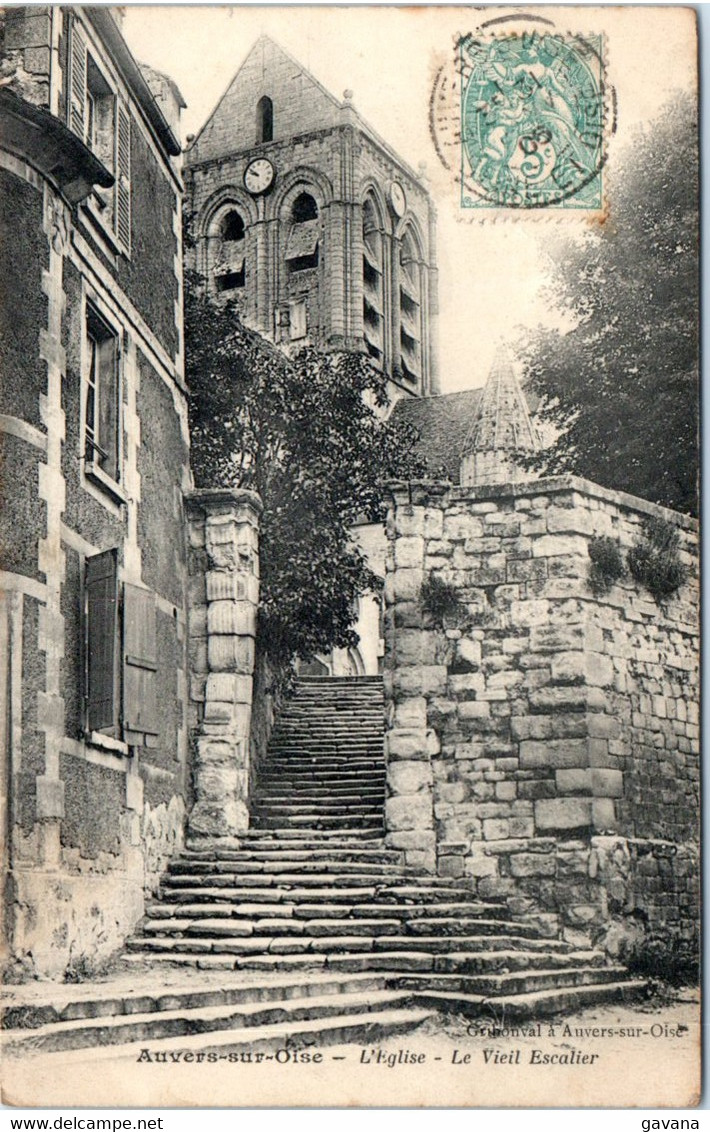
point(373, 303)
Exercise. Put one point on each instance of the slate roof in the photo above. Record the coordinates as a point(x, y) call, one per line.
point(443, 423)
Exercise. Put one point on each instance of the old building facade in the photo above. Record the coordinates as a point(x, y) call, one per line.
point(95, 456)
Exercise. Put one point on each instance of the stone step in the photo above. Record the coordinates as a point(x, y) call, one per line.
point(366, 1027)
point(266, 925)
point(392, 886)
point(396, 963)
point(309, 821)
point(567, 999)
point(340, 787)
point(518, 982)
point(104, 1001)
point(405, 913)
point(317, 747)
point(284, 864)
point(278, 853)
point(323, 783)
point(302, 892)
point(309, 748)
point(320, 775)
point(319, 798)
point(157, 1025)
point(503, 961)
point(299, 768)
point(357, 732)
point(329, 836)
point(332, 712)
point(314, 743)
point(334, 764)
point(211, 923)
point(364, 714)
point(205, 936)
point(319, 808)
point(360, 817)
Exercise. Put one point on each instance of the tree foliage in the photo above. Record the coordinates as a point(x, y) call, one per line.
point(308, 435)
point(621, 387)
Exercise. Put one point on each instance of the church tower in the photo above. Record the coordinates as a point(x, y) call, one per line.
point(313, 224)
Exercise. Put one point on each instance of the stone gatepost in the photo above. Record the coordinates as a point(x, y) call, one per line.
point(223, 527)
point(415, 669)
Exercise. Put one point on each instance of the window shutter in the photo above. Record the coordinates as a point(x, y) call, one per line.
point(101, 597)
point(122, 210)
point(140, 707)
point(77, 81)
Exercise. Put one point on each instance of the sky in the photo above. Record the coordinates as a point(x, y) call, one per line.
point(493, 270)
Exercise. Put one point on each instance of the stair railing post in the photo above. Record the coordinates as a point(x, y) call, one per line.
point(223, 527)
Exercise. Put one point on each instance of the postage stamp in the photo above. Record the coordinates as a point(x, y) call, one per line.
point(532, 117)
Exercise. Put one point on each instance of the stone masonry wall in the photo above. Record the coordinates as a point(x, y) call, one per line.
point(533, 721)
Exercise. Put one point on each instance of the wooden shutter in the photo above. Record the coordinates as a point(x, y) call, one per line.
point(122, 211)
point(101, 605)
point(140, 707)
point(77, 80)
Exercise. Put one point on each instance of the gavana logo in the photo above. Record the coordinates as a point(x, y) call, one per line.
point(671, 1125)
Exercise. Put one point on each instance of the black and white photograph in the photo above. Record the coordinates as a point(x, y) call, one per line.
point(349, 583)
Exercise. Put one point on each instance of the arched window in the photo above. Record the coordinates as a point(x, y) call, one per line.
point(232, 227)
point(304, 208)
point(410, 309)
point(304, 234)
point(265, 119)
point(373, 291)
point(228, 251)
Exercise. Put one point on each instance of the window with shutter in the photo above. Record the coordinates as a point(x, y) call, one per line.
point(122, 209)
point(102, 401)
point(97, 114)
point(77, 82)
point(101, 642)
point(140, 706)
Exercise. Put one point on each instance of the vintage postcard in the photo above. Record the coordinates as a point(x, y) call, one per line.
point(349, 583)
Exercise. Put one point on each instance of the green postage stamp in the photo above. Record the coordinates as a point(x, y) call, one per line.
point(532, 119)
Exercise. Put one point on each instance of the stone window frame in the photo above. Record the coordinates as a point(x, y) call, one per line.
point(228, 200)
point(300, 221)
point(264, 120)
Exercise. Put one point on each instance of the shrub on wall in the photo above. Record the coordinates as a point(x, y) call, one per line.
point(607, 565)
point(654, 561)
point(440, 600)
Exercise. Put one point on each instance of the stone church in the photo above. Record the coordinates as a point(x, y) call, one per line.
point(496, 795)
point(325, 237)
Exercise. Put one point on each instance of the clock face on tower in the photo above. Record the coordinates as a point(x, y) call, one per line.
point(398, 200)
point(259, 176)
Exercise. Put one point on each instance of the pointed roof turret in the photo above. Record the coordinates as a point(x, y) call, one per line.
point(501, 427)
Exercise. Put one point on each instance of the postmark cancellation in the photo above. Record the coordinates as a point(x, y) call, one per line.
point(519, 118)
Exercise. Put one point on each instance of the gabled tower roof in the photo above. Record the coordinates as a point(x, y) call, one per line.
point(301, 103)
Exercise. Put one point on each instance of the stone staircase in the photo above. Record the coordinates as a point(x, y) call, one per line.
point(322, 934)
